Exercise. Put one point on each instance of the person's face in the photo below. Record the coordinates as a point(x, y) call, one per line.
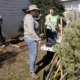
point(51, 11)
point(34, 12)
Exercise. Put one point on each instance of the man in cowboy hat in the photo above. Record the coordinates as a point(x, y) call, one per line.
point(31, 37)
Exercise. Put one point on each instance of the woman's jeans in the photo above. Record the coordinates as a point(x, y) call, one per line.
point(32, 53)
point(1, 37)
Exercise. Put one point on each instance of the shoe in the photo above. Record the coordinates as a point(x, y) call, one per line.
point(33, 75)
point(3, 46)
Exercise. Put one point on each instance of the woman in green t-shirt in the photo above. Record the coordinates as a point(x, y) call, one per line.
point(52, 22)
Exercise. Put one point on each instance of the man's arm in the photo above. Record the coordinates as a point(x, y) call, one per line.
point(38, 18)
point(53, 29)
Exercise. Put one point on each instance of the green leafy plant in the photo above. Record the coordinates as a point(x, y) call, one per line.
point(69, 51)
point(45, 4)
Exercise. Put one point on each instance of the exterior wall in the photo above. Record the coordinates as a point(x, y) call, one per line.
point(11, 11)
point(72, 10)
point(72, 5)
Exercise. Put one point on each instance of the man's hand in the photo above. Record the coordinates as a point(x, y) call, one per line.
point(40, 15)
point(53, 29)
point(39, 43)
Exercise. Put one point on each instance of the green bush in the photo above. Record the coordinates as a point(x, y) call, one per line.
point(69, 51)
point(45, 4)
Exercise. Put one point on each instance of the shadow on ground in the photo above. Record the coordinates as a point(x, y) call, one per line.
point(14, 41)
point(10, 56)
point(44, 61)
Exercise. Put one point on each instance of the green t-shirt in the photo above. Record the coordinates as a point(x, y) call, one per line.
point(53, 19)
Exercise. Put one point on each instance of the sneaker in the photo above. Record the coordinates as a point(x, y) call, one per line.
point(33, 75)
point(3, 46)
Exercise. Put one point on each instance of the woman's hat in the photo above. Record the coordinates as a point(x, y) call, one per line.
point(32, 7)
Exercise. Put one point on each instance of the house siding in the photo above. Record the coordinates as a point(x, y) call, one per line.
point(72, 4)
point(11, 11)
point(72, 9)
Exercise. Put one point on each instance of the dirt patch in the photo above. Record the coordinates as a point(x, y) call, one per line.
point(14, 64)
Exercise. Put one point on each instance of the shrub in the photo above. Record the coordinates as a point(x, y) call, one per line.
point(69, 51)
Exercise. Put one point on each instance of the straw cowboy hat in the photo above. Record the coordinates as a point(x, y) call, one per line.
point(32, 7)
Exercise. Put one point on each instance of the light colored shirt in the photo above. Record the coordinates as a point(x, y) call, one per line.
point(29, 28)
point(0, 17)
point(53, 19)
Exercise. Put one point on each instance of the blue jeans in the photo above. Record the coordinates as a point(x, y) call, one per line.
point(32, 52)
point(1, 37)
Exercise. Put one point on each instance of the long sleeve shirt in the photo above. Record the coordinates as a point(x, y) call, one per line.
point(29, 28)
point(0, 19)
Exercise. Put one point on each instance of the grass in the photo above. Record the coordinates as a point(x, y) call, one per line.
point(17, 67)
